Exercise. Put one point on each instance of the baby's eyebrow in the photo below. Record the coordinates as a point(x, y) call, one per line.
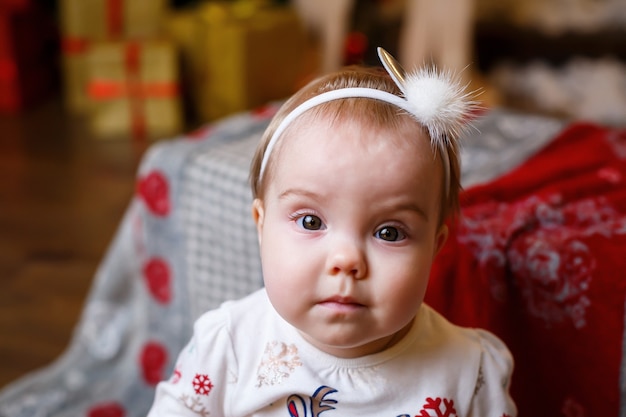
point(403, 206)
point(412, 208)
point(299, 192)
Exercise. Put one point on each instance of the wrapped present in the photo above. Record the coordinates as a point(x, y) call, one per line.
point(83, 22)
point(132, 87)
point(74, 70)
point(180, 29)
point(28, 57)
point(238, 55)
point(112, 19)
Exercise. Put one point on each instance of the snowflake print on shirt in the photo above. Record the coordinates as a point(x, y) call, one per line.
point(202, 384)
point(176, 376)
point(439, 407)
point(436, 407)
point(278, 362)
point(194, 404)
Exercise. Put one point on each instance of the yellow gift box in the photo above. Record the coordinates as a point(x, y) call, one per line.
point(86, 21)
point(238, 55)
point(132, 87)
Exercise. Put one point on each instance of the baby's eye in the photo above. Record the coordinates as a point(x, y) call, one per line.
point(310, 222)
point(390, 234)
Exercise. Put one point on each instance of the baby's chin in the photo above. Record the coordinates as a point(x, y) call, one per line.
point(350, 347)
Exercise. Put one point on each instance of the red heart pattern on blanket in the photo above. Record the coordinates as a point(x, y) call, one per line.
point(154, 191)
point(106, 410)
point(153, 362)
point(157, 275)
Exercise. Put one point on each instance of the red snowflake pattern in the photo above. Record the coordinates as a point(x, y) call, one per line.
point(202, 384)
point(176, 376)
point(439, 407)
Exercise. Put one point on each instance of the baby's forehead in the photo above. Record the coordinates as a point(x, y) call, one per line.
point(342, 144)
point(362, 127)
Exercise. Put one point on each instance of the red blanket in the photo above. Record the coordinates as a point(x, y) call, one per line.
point(538, 256)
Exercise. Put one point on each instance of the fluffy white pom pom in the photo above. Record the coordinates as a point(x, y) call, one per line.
point(439, 102)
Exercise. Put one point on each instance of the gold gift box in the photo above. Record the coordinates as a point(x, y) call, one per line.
point(132, 88)
point(238, 55)
point(86, 21)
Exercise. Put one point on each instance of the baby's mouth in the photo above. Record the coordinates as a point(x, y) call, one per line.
point(341, 303)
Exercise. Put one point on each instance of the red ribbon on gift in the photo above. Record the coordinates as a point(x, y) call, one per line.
point(109, 90)
point(77, 45)
point(74, 45)
point(132, 88)
point(115, 19)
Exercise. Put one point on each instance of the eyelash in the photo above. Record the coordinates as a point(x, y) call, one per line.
point(301, 216)
point(402, 232)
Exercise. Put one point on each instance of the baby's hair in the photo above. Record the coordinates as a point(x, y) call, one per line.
point(372, 113)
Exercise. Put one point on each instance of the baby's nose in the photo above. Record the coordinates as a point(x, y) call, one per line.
point(347, 257)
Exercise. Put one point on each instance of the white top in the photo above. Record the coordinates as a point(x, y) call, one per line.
point(245, 360)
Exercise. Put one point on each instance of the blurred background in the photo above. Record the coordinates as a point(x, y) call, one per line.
point(87, 86)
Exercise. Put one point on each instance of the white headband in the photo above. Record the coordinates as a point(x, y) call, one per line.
point(434, 99)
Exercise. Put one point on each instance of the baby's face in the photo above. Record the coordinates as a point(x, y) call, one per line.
point(349, 227)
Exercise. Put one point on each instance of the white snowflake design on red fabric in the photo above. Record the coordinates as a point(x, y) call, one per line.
point(617, 140)
point(202, 384)
point(571, 408)
point(542, 241)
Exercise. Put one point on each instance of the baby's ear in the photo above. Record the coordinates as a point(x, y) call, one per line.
point(442, 236)
point(258, 214)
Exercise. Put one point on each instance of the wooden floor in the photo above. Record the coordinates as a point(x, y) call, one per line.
point(62, 195)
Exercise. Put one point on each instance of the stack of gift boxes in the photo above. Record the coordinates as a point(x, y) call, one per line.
point(28, 55)
point(128, 64)
point(118, 69)
point(132, 67)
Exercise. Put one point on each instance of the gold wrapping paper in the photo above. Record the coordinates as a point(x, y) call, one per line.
point(86, 21)
point(133, 89)
point(238, 55)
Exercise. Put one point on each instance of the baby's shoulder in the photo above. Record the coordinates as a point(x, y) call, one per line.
point(466, 341)
point(236, 313)
point(237, 318)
